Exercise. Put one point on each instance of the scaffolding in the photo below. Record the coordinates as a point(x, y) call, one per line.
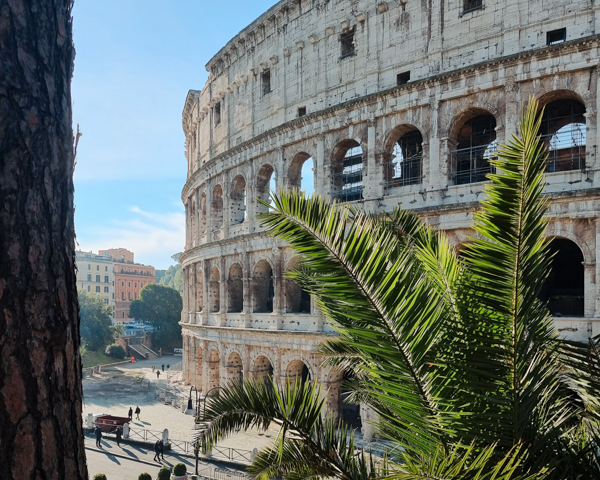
point(406, 166)
point(349, 182)
point(564, 134)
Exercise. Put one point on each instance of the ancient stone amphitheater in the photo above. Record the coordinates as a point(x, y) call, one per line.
point(397, 103)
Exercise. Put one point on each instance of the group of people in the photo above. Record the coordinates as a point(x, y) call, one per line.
point(158, 369)
point(98, 433)
point(137, 413)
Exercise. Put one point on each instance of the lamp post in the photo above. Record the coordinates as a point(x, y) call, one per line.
point(190, 410)
point(197, 448)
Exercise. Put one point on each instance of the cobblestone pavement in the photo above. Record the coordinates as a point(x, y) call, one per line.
point(115, 390)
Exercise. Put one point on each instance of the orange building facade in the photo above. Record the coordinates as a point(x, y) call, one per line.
point(130, 278)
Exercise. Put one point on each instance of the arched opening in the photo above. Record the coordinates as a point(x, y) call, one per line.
point(217, 208)
point(214, 372)
point(262, 368)
point(199, 368)
point(235, 287)
point(202, 213)
point(475, 145)
point(297, 371)
point(215, 290)
point(406, 164)
point(238, 200)
point(235, 371)
point(297, 300)
point(350, 412)
point(199, 290)
point(563, 131)
point(564, 288)
point(347, 170)
point(265, 182)
point(263, 290)
point(301, 174)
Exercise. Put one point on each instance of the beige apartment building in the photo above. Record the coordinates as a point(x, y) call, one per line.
point(390, 103)
point(96, 274)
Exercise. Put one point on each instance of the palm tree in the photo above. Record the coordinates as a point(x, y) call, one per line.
point(456, 354)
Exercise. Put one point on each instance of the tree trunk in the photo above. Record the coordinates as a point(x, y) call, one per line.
point(41, 433)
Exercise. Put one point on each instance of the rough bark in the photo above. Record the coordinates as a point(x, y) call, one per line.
point(40, 369)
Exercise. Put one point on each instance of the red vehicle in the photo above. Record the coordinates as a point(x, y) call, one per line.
point(108, 423)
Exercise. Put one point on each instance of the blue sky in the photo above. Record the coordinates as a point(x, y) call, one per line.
point(136, 61)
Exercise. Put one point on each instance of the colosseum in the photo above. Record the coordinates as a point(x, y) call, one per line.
point(383, 104)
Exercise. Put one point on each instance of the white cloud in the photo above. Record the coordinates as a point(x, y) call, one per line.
point(153, 237)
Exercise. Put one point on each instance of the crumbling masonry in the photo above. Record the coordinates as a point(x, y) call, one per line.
point(393, 103)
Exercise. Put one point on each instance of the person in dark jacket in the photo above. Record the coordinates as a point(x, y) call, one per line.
point(161, 449)
point(98, 433)
point(130, 412)
point(163, 367)
point(157, 447)
point(119, 434)
point(137, 412)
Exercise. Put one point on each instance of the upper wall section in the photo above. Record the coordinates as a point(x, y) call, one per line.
point(302, 56)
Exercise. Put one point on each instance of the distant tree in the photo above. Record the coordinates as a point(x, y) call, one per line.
point(41, 433)
point(172, 277)
point(115, 350)
point(96, 321)
point(160, 306)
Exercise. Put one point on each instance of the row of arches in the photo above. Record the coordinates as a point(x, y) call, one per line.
point(472, 143)
point(261, 288)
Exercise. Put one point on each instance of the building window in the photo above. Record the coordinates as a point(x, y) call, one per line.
point(301, 111)
point(129, 295)
point(122, 284)
point(113, 296)
point(123, 314)
point(97, 268)
point(217, 113)
point(106, 279)
point(347, 42)
point(88, 288)
point(122, 295)
point(129, 284)
point(106, 269)
point(403, 78)
point(89, 277)
point(135, 284)
point(89, 267)
point(472, 5)
point(106, 301)
point(266, 82)
point(556, 36)
point(105, 289)
point(97, 289)
point(141, 285)
point(97, 278)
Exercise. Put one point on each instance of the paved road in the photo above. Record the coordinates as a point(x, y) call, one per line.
point(117, 468)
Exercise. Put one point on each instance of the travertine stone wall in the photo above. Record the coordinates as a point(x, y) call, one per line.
point(464, 68)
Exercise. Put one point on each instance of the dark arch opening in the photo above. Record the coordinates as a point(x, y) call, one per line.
point(475, 145)
point(347, 171)
point(564, 288)
point(563, 131)
point(406, 165)
point(350, 412)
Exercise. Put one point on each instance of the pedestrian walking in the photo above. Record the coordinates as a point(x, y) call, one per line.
point(119, 435)
point(137, 412)
point(153, 368)
point(161, 450)
point(130, 412)
point(157, 446)
point(163, 367)
point(157, 373)
point(168, 366)
point(98, 433)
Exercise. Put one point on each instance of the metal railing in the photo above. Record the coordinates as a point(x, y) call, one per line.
point(470, 165)
point(144, 434)
point(405, 172)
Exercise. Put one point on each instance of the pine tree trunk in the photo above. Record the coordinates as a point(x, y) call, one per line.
point(41, 434)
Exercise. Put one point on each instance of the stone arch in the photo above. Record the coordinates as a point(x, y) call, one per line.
point(564, 289)
point(263, 287)
point(564, 130)
point(347, 171)
point(403, 156)
point(235, 370)
point(262, 367)
point(235, 289)
point(301, 172)
point(297, 369)
point(297, 300)
point(238, 200)
point(473, 138)
point(217, 207)
point(199, 362)
point(265, 182)
point(202, 213)
point(214, 371)
point(214, 294)
point(199, 289)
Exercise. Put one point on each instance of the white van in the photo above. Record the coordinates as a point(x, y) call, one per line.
point(178, 351)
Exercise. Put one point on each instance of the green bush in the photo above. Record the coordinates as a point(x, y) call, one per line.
point(164, 473)
point(179, 469)
point(115, 351)
point(144, 476)
point(99, 476)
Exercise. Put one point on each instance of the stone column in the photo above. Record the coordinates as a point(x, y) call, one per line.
point(225, 183)
point(205, 366)
point(205, 290)
point(438, 156)
point(278, 286)
point(185, 309)
point(187, 226)
point(247, 282)
point(321, 179)
point(209, 211)
point(372, 171)
point(224, 301)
